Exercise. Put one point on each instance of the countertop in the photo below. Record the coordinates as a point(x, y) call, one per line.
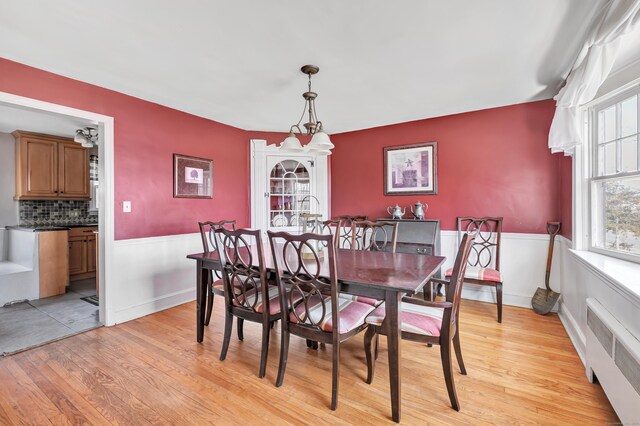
point(43, 228)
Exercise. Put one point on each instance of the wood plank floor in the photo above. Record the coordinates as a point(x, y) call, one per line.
point(151, 371)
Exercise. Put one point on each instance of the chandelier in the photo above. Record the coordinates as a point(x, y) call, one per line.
point(88, 137)
point(320, 143)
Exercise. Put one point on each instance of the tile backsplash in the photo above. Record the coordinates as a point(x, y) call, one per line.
point(55, 212)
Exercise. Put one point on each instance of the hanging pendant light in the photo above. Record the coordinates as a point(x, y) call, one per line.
point(320, 143)
point(87, 137)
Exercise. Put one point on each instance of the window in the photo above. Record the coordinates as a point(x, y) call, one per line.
point(615, 176)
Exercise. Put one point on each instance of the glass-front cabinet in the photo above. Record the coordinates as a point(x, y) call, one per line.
point(284, 186)
point(289, 193)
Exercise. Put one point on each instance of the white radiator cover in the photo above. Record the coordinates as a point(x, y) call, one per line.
point(613, 355)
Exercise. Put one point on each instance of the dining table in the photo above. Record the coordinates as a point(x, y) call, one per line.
point(376, 274)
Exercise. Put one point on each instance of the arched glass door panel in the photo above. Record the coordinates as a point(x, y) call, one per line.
point(289, 185)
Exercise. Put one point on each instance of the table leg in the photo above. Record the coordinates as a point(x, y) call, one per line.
point(201, 299)
point(393, 342)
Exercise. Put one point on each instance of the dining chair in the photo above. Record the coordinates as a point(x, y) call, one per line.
point(345, 233)
point(214, 281)
point(332, 227)
point(247, 293)
point(374, 236)
point(318, 313)
point(424, 321)
point(484, 260)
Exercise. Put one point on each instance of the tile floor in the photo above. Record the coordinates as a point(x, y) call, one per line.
point(29, 324)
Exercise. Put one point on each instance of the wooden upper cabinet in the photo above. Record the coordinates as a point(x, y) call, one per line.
point(73, 171)
point(50, 167)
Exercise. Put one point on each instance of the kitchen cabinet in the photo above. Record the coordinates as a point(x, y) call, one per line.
point(82, 253)
point(50, 167)
point(53, 263)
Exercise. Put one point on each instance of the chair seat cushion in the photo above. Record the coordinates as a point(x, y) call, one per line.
point(352, 313)
point(362, 299)
point(482, 274)
point(274, 300)
point(414, 319)
point(217, 287)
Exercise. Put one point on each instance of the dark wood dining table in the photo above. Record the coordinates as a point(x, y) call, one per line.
point(380, 275)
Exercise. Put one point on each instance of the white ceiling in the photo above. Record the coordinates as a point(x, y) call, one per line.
point(16, 118)
point(238, 62)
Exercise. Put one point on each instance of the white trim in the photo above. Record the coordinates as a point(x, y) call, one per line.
point(614, 93)
point(154, 305)
point(573, 330)
point(505, 235)
point(620, 282)
point(156, 239)
point(106, 192)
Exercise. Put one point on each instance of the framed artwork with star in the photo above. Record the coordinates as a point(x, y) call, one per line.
point(411, 169)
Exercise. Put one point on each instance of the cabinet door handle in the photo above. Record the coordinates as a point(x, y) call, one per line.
point(422, 251)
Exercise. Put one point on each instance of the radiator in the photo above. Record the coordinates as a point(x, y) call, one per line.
point(613, 356)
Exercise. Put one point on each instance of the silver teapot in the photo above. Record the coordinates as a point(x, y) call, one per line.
point(396, 212)
point(420, 211)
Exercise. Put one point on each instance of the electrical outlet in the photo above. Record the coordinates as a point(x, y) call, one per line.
point(126, 206)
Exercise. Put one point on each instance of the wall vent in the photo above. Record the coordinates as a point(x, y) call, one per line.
point(613, 355)
point(628, 365)
point(603, 334)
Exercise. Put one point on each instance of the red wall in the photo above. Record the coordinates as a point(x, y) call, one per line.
point(146, 136)
point(492, 162)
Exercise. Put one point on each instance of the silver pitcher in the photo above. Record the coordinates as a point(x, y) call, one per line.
point(396, 212)
point(420, 211)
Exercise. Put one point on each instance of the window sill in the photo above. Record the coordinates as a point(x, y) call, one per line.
point(621, 274)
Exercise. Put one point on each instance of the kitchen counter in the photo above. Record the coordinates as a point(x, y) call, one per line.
point(43, 228)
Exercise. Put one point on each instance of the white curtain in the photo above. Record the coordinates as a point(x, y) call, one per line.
point(616, 18)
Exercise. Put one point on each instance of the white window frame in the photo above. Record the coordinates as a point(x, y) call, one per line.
point(585, 173)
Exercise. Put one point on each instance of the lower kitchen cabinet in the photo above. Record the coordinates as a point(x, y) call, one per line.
point(82, 253)
point(53, 263)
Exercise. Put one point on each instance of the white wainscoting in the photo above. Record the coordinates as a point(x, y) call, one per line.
point(152, 274)
point(580, 281)
point(523, 260)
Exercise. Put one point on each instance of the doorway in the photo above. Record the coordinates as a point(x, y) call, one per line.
point(102, 242)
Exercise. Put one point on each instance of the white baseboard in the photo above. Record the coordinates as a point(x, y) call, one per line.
point(155, 305)
point(573, 330)
point(488, 294)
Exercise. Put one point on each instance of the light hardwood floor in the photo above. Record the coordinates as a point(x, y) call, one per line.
point(151, 371)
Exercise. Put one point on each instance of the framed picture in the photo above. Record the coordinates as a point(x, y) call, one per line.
point(411, 169)
point(192, 177)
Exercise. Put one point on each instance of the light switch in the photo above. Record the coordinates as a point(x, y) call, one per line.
point(126, 206)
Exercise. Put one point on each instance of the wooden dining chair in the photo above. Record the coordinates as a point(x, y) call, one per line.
point(318, 313)
point(484, 260)
point(214, 281)
point(424, 321)
point(332, 227)
point(374, 236)
point(345, 233)
point(247, 293)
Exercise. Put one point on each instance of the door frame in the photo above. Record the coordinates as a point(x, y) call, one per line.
point(105, 192)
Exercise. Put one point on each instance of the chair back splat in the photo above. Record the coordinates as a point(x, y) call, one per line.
point(345, 238)
point(374, 236)
point(485, 251)
point(332, 227)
